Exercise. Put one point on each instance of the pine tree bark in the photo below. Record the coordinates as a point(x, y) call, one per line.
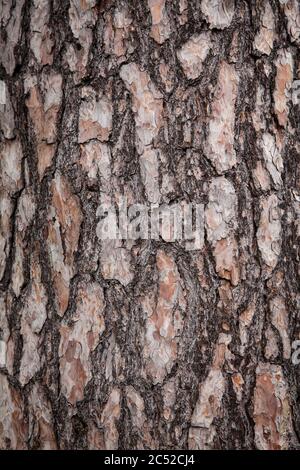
point(144, 344)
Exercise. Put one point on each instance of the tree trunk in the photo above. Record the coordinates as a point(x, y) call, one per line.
point(147, 343)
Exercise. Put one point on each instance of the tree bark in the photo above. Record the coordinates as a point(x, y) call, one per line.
point(144, 344)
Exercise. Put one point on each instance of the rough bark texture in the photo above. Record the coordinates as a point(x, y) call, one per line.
point(112, 344)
